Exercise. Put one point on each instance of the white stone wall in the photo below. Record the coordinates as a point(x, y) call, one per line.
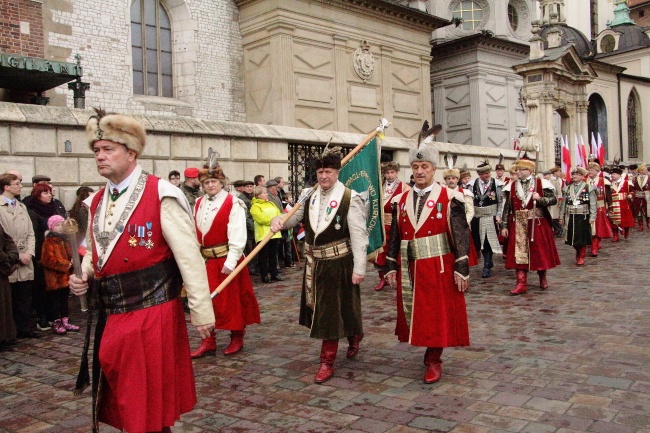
point(33, 141)
point(207, 56)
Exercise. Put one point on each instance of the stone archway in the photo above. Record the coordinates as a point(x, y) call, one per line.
point(597, 119)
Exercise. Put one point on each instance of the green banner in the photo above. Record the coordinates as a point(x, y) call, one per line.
point(363, 174)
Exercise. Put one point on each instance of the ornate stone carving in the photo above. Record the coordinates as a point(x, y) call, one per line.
point(363, 61)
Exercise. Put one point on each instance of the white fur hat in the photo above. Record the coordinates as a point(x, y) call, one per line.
point(118, 128)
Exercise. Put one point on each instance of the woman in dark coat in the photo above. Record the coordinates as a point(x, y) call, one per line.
point(8, 258)
point(41, 207)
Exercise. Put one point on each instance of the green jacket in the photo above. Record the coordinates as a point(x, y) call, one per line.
point(263, 212)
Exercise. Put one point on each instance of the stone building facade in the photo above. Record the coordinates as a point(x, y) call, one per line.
point(206, 56)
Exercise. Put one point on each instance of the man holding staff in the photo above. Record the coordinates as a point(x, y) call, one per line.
point(531, 245)
point(335, 251)
point(141, 247)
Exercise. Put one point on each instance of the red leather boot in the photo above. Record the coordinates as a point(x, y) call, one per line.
point(641, 224)
point(615, 234)
point(382, 281)
point(648, 222)
point(626, 233)
point(353, 348)
point(434, 364)
point(208, 347)
point(236, 342)
point(543, 284)
point(595, 246)
point(521, 282)
point(327, 358)
point(580, 255)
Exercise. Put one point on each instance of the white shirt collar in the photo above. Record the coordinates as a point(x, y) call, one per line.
point(122, 185)
point(423, 191)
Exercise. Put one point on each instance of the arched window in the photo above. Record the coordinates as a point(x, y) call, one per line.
point(151, 43)
point(513, 16)
point(471, 13)
point(633, 125)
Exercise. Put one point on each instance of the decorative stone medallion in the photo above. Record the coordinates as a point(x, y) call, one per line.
point(363, 61)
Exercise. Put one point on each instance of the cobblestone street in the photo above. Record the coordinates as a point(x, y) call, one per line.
point(574, 358)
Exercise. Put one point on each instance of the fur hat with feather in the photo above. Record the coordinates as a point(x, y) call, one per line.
point(450, 161)
point(117, 128)
point(424, 152)
point(212, 170)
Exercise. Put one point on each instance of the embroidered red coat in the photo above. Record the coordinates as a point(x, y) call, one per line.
point(621, 213)
point(604, 199)
point(433, 313)
point(542, 251)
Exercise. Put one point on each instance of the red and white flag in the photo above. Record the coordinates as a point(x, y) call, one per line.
point(601, 150)
point(301, 232)
point(583, 151)
point(566, 159)
point(515, 143)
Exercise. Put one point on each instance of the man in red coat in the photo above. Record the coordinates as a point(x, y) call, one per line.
point(621, 211)
point(641, 186)
point(531, 245)
point(603, 189)
point(392, 188)
point(428, 262)
point(141, 248)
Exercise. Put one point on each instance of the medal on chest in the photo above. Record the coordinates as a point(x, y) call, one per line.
point(333, 204)
point(337, 226)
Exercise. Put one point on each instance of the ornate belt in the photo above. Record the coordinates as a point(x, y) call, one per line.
point(427, 247)
point(329, 251)
point(215, 251)
point(581, 209)
point(530, 213)
point(600, 203)
point(639, 194)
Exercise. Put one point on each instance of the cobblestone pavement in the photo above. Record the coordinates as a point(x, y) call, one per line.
point(574, 358)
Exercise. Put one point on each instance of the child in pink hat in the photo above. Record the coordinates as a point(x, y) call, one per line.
point(56, 258)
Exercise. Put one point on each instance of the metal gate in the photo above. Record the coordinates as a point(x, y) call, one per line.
point(302, 173)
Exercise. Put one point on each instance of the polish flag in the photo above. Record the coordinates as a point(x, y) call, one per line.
point(576, 152)
point(601, 150)
point(301, 232)
point(583, 151)
point(566, 159)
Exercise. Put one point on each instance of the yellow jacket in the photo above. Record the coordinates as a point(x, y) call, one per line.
point(263, 211)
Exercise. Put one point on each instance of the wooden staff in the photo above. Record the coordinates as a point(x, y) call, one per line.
point(382, 126)
point(532, 231)
point(70, 229)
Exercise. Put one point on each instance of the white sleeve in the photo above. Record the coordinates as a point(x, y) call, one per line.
point(236, 233)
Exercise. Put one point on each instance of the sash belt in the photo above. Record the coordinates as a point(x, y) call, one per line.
point(215, 251)
point(132, 291)
point(582, 209)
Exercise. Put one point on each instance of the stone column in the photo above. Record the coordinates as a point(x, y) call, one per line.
point(426, 87)
point(439, 114)
point(387, 86)
point(341, 64)
point(282, 77)
point(582, 107)
point(478, 120)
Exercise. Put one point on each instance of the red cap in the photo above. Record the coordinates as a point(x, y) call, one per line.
point(191, 172)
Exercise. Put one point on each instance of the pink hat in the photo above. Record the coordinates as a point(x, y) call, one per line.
point(53, 220)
